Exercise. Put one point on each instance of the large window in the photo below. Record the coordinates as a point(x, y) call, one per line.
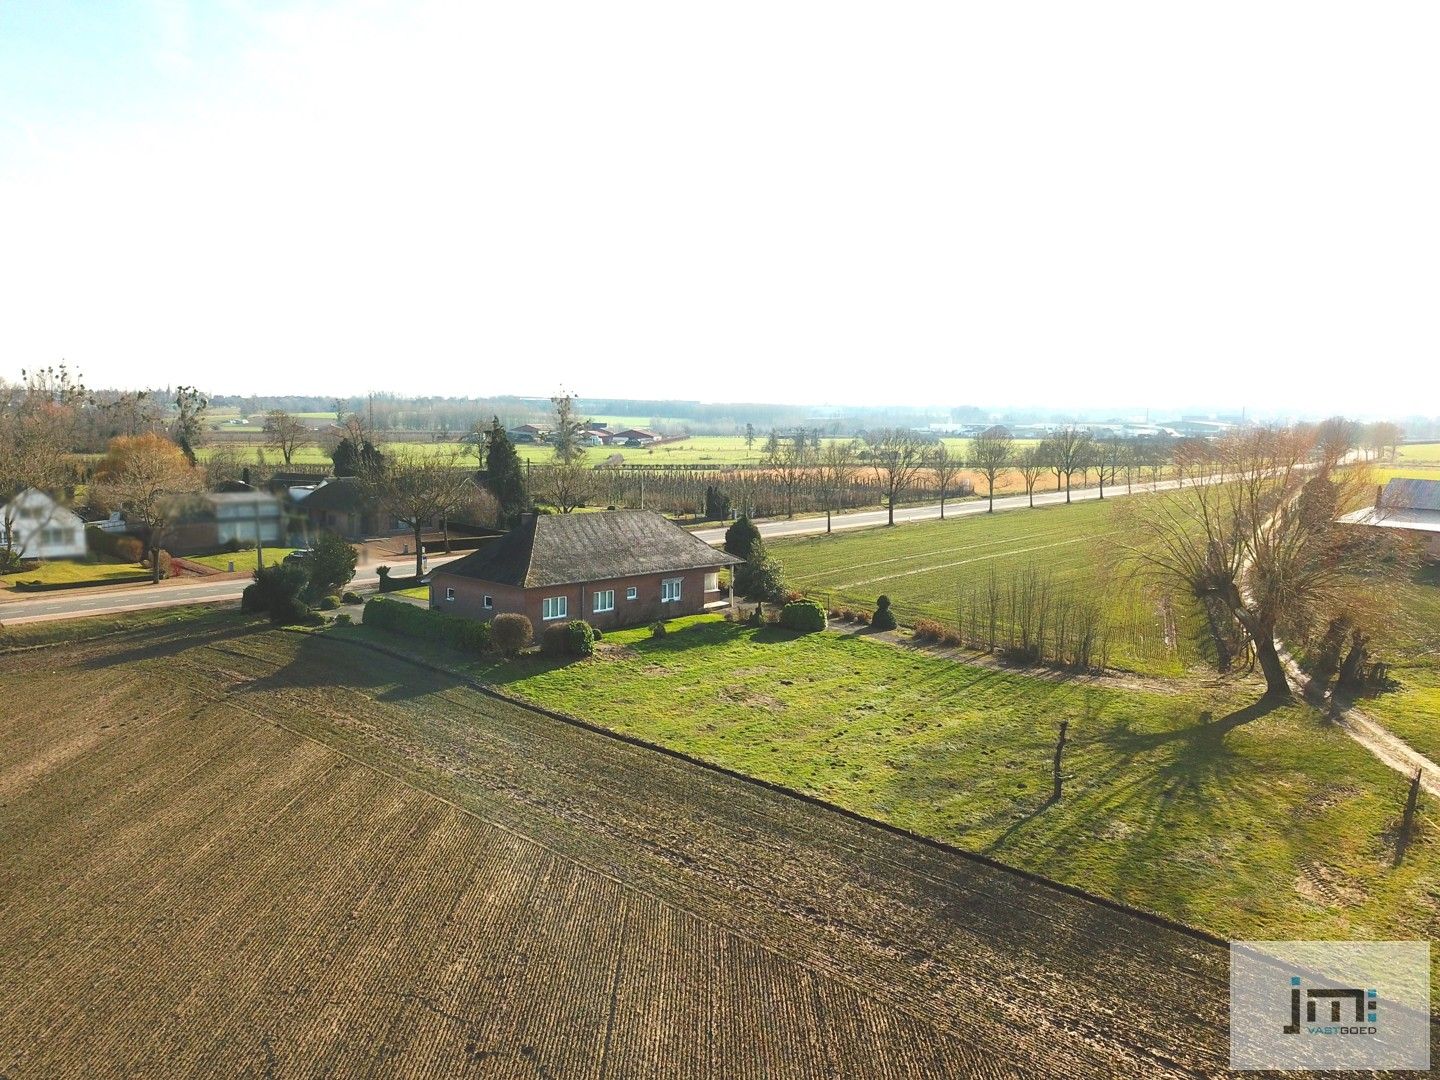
point(604, 600)
point(712, 581)
point(554, 607)
point(670, 590)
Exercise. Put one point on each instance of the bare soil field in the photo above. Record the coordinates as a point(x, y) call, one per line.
point(228, 850)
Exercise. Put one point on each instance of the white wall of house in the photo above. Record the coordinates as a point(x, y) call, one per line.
point(40, 528)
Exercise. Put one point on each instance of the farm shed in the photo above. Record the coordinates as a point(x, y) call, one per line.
point(1412, 506)
point(612, 568)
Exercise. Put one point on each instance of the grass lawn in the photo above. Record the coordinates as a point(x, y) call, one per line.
point(930, 569)
point(62, 572)
point(243, 560)
point(419, 592)
point(1412, 648)
point(1196, 805)
point(1421, 453)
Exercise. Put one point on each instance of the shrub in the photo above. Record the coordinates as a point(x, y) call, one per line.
point(350, 597)
point(757, 616)
point(464, 635)
point(952, 639)
point(862, 617)
point(884, 618)
point(343, 619)
point(929, 630)
point(276, 591)
point(574, 638)
point(129, 549)
point(331, 564)
point(329, 603)
point(657, 630)
point(806, 616)
point(596, 631)
point(510, 632)
point(167, 567)
point(790, 596)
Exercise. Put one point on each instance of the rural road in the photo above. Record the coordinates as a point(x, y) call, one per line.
point(113, 599)
point(862, 518)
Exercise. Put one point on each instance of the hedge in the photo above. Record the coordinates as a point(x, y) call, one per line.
point(466, 635)
point(806, 616)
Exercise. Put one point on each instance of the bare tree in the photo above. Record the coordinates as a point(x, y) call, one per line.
point(1264, 542)
point(896, 455)
point(835, 472)
point(422, 490)
point(1030, 464)
point(946, 467)
point(285, 433)
point(1072, 451)
point(149, 478)
point(564, 484)
point(990, 454)
point(790, 461)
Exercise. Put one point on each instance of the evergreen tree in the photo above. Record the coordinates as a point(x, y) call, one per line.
point(742, 538)
point(504, 476)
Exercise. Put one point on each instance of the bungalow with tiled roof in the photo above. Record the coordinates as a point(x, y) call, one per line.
point(611, 568)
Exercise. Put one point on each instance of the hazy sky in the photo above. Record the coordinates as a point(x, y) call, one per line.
point(991, 203)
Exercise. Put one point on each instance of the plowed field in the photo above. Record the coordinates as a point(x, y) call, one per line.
point(227, 850)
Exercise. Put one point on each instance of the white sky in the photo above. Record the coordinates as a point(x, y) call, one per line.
point(987, 203)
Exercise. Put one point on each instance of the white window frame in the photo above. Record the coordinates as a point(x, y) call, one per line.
point(558, 605)
point(604, 600)
point(670, 590)
point(450, 594)
point(712, 581)
point(488, 602)
point(632, 593)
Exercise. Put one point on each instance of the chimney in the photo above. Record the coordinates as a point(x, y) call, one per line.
point(1379, 496)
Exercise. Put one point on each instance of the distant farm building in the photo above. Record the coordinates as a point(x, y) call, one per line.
point(636, 437)
point(1412, 506)
point(612, 568)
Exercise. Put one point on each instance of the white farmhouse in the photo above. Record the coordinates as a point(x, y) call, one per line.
point(37, 527)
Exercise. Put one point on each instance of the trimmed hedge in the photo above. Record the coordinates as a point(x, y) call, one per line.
point(884, 618)
point(511, 632)
point(806, 616)
point(466, 635)
point(574, 638)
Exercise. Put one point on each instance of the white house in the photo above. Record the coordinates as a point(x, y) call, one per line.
point(38, 527)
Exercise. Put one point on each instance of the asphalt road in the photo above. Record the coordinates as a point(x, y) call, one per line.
point(112, 599)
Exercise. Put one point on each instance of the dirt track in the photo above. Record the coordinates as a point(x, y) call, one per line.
point(231, 851)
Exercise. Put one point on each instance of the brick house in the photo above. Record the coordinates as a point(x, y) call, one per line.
point(611, 568)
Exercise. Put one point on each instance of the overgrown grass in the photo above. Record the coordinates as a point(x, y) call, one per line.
point(131, 622)
point(937, 569)
point(1197, 805)
point(65, 572)
point(243, 560)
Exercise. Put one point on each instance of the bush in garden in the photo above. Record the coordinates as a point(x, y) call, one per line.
point(276, 591)
point(580, 638)
point(929, 630)
point(349, 597)
point(329, 603)
point(884, 618)
point(343, 619)
point(657, 630)
point(806, 616)
point(331, 564)
point(129, 549)
point(511, 632)
point(741, 537)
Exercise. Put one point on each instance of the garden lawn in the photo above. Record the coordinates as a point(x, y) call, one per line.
point(935, 569)
point(1199, 806)
point(243, 560)
point(64, 572)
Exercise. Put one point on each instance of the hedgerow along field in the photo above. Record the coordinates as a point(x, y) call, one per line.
point(267, 852)
point(941, 570)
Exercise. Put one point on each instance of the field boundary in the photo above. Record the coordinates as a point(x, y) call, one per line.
point(781, 789)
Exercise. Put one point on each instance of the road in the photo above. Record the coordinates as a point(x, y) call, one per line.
point(113, 599)
point(865, 518)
